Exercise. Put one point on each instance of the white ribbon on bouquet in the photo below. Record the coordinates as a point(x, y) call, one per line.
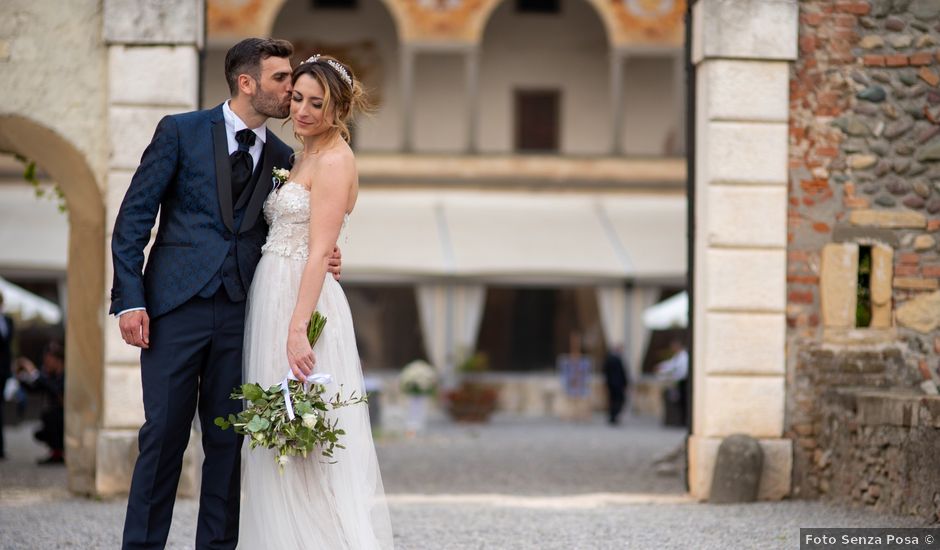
point(318, 378)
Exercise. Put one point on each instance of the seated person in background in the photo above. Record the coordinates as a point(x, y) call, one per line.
point(50, 381)
point(676, 395)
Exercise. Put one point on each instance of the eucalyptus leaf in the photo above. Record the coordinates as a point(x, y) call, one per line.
point(257, 424)
point(252, 392)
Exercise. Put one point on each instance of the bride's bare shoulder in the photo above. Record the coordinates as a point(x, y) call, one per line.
point(340, 153)
point(337, 161)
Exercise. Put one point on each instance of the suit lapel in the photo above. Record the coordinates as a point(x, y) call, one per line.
point(262, 187)
point(223, 171)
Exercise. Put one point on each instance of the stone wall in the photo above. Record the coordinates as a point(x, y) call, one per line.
point(873, 442)
point(864, 172)
point(47, 52)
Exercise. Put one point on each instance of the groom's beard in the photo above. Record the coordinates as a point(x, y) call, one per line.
point(270, 105)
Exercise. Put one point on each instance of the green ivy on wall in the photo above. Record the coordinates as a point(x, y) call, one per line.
point(29, 174)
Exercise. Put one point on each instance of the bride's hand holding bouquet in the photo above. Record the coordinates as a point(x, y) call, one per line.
point(290, 417)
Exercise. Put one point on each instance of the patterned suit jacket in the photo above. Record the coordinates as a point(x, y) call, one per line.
point(185, 174)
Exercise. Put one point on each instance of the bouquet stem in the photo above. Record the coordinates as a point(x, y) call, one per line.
point(315, 327)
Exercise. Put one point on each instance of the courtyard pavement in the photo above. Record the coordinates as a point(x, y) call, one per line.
point(512, 484)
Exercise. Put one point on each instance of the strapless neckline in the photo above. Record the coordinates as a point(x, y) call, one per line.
point(289, 182)
point(304, 188)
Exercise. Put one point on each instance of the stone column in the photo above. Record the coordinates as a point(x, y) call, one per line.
point(472, 57)
point(153, 53)
point(407, 78)
point(617, 59)
point(742, 51)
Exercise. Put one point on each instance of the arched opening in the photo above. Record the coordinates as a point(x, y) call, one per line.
point(543, 75)
point(84, 341)
point(361, 33)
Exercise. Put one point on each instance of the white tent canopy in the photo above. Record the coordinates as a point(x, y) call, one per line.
point(34, 233)
point(673, 312)
point(26, 305)
point(515, 237)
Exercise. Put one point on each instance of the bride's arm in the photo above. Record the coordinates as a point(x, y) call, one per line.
point(329, 195)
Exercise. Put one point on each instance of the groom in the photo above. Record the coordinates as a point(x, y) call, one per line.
point(208, 174)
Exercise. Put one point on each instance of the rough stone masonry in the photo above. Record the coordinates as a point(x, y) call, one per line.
point(864, 209)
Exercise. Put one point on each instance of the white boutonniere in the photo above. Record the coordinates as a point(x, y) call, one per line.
point(280, 176)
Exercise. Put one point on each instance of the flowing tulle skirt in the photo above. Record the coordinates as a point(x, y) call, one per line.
point(310, 504)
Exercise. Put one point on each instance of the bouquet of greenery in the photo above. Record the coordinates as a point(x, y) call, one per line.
point(290, 417)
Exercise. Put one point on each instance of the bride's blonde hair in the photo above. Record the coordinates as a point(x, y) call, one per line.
point(343, 94)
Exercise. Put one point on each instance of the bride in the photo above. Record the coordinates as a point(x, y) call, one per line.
point(311, 504)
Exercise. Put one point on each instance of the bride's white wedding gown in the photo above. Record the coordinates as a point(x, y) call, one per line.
point(311, 504)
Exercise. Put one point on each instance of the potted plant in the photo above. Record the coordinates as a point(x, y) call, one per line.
point(417, 380)
point(474, 399)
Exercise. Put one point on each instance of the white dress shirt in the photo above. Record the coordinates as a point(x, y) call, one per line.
point(675, 368)
point(232, 125)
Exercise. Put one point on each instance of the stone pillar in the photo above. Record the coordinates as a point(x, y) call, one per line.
point(742, 51)
point(472, 57)
point(153, 52)
point(407, 78)
point(617, 59)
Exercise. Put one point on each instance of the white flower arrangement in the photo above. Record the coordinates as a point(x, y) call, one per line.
point(418, 378)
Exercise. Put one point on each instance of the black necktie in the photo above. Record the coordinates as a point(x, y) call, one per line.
point(242, 163)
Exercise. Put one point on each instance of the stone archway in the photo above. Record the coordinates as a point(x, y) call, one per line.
point(84, 322)
point(367, 38)
point(258, 17)
point(564, 58)
point(484, 16)
point(120, 69)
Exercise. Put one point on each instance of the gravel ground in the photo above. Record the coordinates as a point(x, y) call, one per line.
point(531, 457)
point(512, 484)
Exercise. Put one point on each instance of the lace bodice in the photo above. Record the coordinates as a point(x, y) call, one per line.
point(287, 212)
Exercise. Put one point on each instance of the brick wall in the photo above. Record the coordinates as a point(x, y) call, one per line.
point(864, 171)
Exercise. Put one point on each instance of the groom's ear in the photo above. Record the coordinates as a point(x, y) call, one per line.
point(246, 84)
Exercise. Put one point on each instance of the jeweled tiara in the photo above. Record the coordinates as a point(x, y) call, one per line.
point(336, 66)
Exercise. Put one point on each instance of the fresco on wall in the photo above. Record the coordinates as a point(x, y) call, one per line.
point(629, 22)
point(235, 18)
point(656, 22)
point(437, 19)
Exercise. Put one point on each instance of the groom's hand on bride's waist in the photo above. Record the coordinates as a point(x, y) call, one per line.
point(335, 265)
point(135, 328)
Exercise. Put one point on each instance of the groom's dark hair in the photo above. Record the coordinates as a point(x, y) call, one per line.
point(245, 58)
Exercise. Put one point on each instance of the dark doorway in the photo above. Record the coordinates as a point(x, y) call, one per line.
point(537, 120)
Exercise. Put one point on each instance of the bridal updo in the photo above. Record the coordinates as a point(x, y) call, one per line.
point(342, 91)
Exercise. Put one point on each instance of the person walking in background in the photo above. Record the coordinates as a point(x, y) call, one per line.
point(615, 376)
point(50, 381)
point(6, 358)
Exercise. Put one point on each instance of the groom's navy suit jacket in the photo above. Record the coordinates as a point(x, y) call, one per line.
point(185, 172)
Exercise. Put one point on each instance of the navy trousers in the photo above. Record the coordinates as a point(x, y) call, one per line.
point(193, 364)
